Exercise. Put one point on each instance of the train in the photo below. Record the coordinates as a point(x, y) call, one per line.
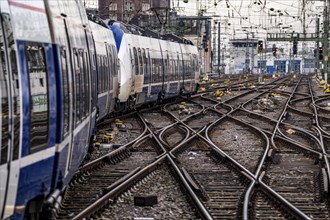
point(61, 71)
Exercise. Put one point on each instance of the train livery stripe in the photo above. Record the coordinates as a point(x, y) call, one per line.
point(38, 156)
point(28, 7)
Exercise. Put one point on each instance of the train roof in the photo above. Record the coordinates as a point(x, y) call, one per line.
point(133, 29)
point(96, 20)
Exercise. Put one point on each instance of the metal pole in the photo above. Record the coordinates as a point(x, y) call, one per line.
point(252, 53)
point(325, 40)
point(247, 57)
point(214, 47)
point(219, 47)
point(317, 61)
point(290, 62)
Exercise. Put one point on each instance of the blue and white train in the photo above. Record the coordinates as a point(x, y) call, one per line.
point(59, 74)
point(152, 68)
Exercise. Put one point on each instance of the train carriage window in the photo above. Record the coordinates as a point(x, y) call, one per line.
point(39, 100)
point(155, 71)
point(99, 79)
point(82, 84)
point(101, 64)
point(173, 70)
point(107, 73)
point(4, 119)
point(161, 70)
point(149, 67)
point(13, 80)
point(145, 63)
point(77, 76)
point(66, 95)
point(101, 73)
point(188, 69)
point(104, 73)
point(192, 66)
point(93, 80)
point(140, 62)
point(136, 61)
point(111, 62)
point(105, 65)
point(16, 99)
point(87, 82)
point(116, 64)
point(167, 68)
point(179, 70)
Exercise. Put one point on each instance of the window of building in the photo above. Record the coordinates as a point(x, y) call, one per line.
point(128, 6)
point(145, 6)
point(113, 7)
point(113, 16)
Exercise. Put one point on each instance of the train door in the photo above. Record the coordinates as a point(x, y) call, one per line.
point(10, 115)
point(133, 68)
point(4, 122)
point(110, 76)
point(68, 94)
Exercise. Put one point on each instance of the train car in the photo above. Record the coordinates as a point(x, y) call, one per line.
point(107, 61)
point(53, 77)
point(76, 78)
point(153, 68)
point(58, 76)
point(28, 106)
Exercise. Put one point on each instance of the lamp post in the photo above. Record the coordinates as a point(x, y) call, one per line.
point(219, 48)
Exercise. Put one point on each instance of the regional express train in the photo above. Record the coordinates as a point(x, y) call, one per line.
point(59, 74)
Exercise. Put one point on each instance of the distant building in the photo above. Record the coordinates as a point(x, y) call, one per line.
point(246, 59)
point(122, 10)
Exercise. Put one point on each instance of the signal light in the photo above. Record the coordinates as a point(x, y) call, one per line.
point(320, 53)
point(274, 51)
point(260, 46)
point(295, 47)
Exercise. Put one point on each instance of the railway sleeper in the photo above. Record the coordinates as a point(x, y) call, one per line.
point(217, 156)
point(322, 184)
point(287, 212)
point(195, 184)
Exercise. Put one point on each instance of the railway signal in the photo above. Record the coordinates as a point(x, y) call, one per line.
point(295, 47)
point(260, 46)
point(320, 53)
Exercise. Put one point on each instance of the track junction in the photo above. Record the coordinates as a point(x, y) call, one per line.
point(236, 150)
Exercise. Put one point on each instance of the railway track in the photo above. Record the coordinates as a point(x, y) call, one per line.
point(97, 183)
point(217, 158)
point(219, 185)
point(114, 132)
point(296, 177)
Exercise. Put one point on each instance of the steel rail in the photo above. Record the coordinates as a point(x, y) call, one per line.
point(91, 164)
point(299, 213)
